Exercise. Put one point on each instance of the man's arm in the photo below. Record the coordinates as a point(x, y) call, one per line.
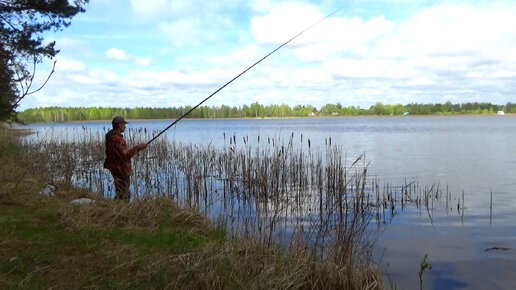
point(127, 154)
point(136, 149)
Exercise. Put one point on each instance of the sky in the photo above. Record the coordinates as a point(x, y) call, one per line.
point(170, 53)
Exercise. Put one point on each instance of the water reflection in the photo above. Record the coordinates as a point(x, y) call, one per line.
point(474, 155)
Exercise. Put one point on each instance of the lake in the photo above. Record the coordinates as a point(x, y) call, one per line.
point(470, 156)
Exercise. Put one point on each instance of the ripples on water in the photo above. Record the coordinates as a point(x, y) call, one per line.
point(474, 155)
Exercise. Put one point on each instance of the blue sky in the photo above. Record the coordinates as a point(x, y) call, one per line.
point(162, 53)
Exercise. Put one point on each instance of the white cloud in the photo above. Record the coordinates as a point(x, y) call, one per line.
point(455, 31)
point(117, 54)
point(143, 61)
point(438, 50)
point(283, 22)
point(245, 54)
point(261, 5)
point(183, 32)
point(104, 75)
point(121, 55)
point(338, 37)
point(83, 79)
point(164, 51)
point(439, 53)
point(164, 10)
point(316, 75)
point(502, 74)
point(211, 77)
point(331, 38)
point(72, 44)
point(66, 65)
point(149, 9)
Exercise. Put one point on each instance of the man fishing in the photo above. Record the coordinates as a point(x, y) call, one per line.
point(118, 158)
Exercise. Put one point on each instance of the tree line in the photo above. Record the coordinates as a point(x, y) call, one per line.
point(256, 110)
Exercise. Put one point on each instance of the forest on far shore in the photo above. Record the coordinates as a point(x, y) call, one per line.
point(256, 110)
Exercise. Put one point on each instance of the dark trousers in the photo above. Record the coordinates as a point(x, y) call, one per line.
point(122, 185)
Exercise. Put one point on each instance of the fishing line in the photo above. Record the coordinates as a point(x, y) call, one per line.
point(222, 87)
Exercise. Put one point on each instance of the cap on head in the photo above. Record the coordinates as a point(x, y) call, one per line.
point(118, 120)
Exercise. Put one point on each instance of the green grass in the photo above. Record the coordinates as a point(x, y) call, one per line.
point(40, 251)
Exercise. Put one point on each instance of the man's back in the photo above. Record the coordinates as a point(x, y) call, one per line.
point(118, 159)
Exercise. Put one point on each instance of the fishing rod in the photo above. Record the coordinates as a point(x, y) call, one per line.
point(240, 74)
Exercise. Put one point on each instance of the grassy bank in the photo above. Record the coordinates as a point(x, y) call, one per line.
point(150, 243)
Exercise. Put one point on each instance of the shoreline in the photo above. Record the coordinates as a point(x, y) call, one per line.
point(277, 118)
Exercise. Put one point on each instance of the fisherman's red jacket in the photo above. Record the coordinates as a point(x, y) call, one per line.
point(118, 157)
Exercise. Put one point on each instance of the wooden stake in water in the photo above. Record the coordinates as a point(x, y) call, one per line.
point(491, 208)
point(463, 206)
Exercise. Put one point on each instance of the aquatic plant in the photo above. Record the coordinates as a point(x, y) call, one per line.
point(274, 191)
point(423, 267)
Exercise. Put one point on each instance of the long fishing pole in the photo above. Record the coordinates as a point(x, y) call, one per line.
point(219, 89)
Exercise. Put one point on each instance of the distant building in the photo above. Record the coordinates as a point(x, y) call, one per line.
point(500, 113)
point(406, 113)
point(335, 113)
point(311, 114)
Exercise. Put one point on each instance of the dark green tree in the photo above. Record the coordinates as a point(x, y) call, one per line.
point(8, 90)
point(22, 45)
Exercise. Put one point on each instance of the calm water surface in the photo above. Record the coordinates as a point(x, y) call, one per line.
point(470, 154)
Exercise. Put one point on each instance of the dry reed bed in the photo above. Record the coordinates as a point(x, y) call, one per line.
point(285, 192)
point(242, 263)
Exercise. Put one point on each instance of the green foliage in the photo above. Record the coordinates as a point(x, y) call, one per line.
point(255, 110)
point(8, 89)
point(510, 108)
point(22, 23)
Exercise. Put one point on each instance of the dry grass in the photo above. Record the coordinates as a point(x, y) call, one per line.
point(261, 267)
point(149, 243)
point(148, 214)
